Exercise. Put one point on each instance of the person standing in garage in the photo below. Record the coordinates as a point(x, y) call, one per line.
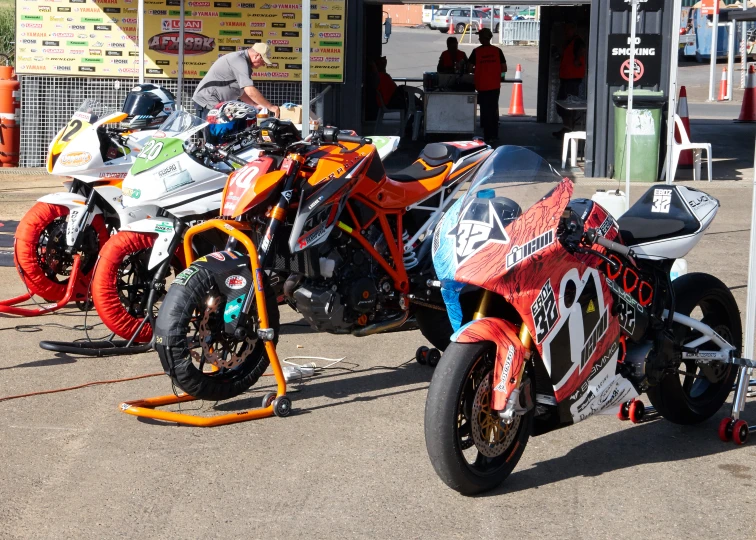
point(571, 73)
point(487, 63)
point(452, 59)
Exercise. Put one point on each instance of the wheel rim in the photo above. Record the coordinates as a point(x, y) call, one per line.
point(702, 382)
point(133, 283)
point(485, 441)
point(52, 254)
point(213, 351)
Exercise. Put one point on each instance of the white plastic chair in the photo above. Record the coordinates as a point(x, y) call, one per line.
point(570, 144)
point(383, 110)
point(685, 144)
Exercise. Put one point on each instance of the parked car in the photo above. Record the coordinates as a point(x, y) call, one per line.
point(460, 18)
point(429, 10)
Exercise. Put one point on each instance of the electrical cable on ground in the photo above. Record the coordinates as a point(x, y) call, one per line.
point(77, 387)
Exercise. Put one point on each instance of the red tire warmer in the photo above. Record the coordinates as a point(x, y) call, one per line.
point(105, 284)
point(25, 252)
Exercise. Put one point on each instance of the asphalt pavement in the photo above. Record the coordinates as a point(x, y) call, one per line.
point(351, 461)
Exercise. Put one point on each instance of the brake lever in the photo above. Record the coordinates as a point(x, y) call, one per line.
point(607, 260)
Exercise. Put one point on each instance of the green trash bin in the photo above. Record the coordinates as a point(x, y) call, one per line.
point(645, 134)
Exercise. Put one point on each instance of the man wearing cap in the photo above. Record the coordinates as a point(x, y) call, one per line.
point(230, 79)
point(488, 63)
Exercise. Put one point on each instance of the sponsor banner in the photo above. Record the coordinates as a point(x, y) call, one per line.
point(215, 27)
point(98, 38)
point(75, 36)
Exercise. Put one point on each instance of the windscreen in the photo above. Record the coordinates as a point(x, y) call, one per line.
point(516, 173)
point(180, 122)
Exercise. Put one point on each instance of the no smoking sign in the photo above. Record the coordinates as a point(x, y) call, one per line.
point(625, 70)
point(647, 69)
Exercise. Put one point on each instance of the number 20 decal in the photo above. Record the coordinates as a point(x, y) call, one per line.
point(243, 179)
point(151, 150)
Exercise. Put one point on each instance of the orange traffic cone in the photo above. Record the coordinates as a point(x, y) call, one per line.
point(515, 103)
point(723, 86)
point(451, 27)
point(748, 109)
point(686, 156)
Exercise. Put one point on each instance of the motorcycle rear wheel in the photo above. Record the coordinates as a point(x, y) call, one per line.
point(40, 251)
point(697, 396)
point(435, 326)
point(185, 319)
point(470, 447)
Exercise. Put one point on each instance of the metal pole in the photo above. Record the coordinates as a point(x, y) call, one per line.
point(743, 47)
point(305, 68)
point(180, 81)
point(631, 81)
point(140, 39)
point(742, 386)
point(714, 46)
point(730, 57)
point(672, 97)
point(493, 16)
point(469, 27)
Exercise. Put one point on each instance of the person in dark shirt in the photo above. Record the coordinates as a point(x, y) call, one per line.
point(452, 60)
point(488, 63)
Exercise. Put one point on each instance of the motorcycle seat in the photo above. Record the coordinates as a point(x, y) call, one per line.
point(416, 172)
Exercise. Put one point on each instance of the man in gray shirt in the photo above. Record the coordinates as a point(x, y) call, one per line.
point(230, 79)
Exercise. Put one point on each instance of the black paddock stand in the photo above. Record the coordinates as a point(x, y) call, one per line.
point(105, 347)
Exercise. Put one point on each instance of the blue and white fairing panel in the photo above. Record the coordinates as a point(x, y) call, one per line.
point(445, 263)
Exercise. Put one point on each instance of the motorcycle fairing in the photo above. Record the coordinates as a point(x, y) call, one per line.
point(510, 354)
point(249, 185)
point(565, 304)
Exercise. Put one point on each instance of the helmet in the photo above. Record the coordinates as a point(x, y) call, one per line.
point(226, 119)
point(148, 105)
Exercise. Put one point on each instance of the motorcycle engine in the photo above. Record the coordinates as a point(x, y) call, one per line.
point(350, 288)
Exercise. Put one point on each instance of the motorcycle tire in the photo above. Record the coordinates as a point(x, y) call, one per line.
point(457, 388)
point(177, 314)
point(693, 400)
point(124, 252)
point(435, 326)
point(39, 222)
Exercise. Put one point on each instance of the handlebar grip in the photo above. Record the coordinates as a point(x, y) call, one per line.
point(613, 246)
point(352, 139)
point(234, 159)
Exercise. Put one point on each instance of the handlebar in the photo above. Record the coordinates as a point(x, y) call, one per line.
point(331, 135)
point(613, 246)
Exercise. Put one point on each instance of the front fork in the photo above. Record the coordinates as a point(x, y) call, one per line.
point(277, 217)
point(513, 403)
point(77, 223)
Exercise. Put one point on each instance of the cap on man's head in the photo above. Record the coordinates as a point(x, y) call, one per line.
point(485, 33)
point(262, 50)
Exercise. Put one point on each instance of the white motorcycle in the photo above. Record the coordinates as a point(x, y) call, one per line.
point(93, 155)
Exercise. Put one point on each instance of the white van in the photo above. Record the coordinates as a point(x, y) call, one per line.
point(429, 10)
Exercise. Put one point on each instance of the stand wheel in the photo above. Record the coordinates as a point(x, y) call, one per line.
point(420, 355)
point(268, 399)
point(636, 411)
point(624, 411)
point(725, 429)
point(740, 432)
point(282, 406)
point(434, 355)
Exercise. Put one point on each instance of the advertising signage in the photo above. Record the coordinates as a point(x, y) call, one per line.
point(211, 29)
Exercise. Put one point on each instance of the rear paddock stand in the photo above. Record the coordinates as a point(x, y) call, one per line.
point(9, 306)
point(733, 428)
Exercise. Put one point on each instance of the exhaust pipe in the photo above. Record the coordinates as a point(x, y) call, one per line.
point(382, 326)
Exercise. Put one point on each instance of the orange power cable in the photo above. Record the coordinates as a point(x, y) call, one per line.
point(85, 385)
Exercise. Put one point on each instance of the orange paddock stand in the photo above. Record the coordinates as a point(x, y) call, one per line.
point(277, 404)
point(9, 306)
point(10, 106)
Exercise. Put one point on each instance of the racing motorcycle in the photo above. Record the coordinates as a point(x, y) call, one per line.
point(351, 242)
point(174, 183)
point(560, 312)
point(93, 154)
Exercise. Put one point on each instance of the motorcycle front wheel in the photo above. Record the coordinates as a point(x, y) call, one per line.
point(41, 256)
point(207, 363)
point(470, 447)
point(121, 284)
point(694, 393)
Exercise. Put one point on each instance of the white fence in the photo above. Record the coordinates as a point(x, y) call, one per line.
point(519, 32)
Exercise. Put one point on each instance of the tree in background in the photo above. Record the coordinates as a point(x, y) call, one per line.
point(7, 29)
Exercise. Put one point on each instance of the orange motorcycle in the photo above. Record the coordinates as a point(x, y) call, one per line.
point(337, 239)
